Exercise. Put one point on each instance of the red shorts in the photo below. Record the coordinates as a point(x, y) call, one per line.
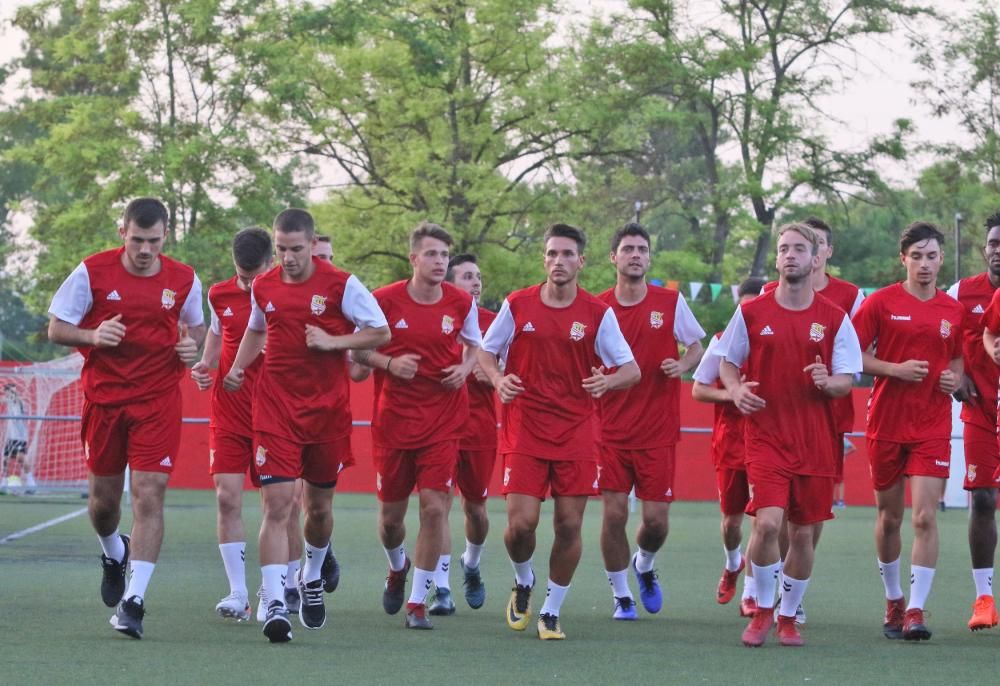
point(278, 459)
point(734, 491)
point(651, 471)
point(806, 499)
point(145, 436)
point(473, 473)
point(982, 457)
point(891, 461)
point(228, 452)
point(399, 471)
point(527, 475)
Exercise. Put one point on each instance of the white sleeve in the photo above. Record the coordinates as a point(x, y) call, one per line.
point(73, 300)
point(501, 332)
point(470, 332)
point(953, 291)
point(360, 306)
point(214, 326)
point(734, 346)
point(609, 344)
point(846, 350)
point(257, 321)
point(861, 298)
point(708, 369)
point(687, 330)
point(191, 312)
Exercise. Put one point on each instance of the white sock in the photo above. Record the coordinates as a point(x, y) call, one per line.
point(921, 580)
point(890, 579)
point(644, 560)
point(619, 583)
point(291, 572)
point(442, 572)
point(524, 574)
point(314, 562)
point(984, 581)
point(749, 587)
point(113, 546)
point(554, 597)
point(397, 557)
point(472, 554)
point(139, 574)
point(766, 579)
point(273, 579)
point(234, 560)
point(792, 592)
point(733, 559)
point(422, 581)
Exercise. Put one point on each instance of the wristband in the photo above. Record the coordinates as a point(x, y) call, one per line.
point(388, 362)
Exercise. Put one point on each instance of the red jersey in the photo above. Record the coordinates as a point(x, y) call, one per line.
point(796, 431)
point(481, 429)
point(728, 450)
point(420, 412)
point(144, 365)
point(975, 294)
point(647, 415)
point(902, 327)
point(230, 306)
point(552, 350)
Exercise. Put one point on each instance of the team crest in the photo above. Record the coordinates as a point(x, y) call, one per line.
point(577, 331)
point(816, 332)
point(945, 328)
point(318, 305)
point(167, 299)
point(447, 324)
point(261, 456)
point(971, 473)
point(656, 319)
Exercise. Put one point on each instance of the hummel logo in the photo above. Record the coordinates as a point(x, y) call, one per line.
point(401, 324)
point(787, 587)
point(942, 463)
point(528, 327)
point(165, 462)
point(113, 295)
point(978, 309)
point(227, 313)
point(269, 307)
point(900, 317)
point(767, 331)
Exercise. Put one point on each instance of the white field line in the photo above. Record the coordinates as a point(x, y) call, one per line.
point(39, 527)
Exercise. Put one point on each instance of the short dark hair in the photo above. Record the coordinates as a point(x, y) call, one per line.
point(567, 231)
point(323, 239)
point(630, 229)
point(426, 229)
point(145, 213)
point(294, 220)
point(917, 232)
point(820, 225)
point(750, 286)
point(991, 221)
point(251, 247)
point(460, 258)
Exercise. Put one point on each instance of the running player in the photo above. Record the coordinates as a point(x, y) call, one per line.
point(912, 337)
point(559, 342)
point(136, 317)
point(640, 427)
point(15, 446)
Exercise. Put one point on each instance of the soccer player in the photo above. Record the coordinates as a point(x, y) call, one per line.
point(791, 433)
point(559, 342)
point(640, 427)
point(728, 456)
point(978, 392)
point(15, 447)
point(310, 313)
point(323, 249)
point(136, 317)
point(912, 337)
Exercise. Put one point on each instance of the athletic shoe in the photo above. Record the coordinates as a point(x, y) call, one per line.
point(262, 604)
point(4, 486)
point(757, 630)
point(330, 571)
point(519, 607)
point(234, 606)
point(395, 587)
point(128, 618)
point(548, 628)
point(748, 606)
point(442, 605)
point(625, 609)
point(312, 613)
point(277, 628)
point(113, 578)
point(416, 617)
point(895, 610)
point(293, 600)
point(800, 613)
point(914, 628)
point(788, 632)
point(475, 589)
point(30, 485)
point(727, 584)
point(984, 613)
point(649, 589)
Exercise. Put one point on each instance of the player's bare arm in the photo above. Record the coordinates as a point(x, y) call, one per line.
point(708, 393)
point(357, 371)
point(913, 371)
point(401, 366)
point(201, 371)
point(508, 386)
point(108, 333)
point(600, 383)
point(250, 347)
point(688, 361)
point(834, 385)
point(967, 391)
point(741, 390)
point(951, 377)
point(363, 339)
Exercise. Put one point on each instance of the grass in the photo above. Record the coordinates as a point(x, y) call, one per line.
point(55, 627)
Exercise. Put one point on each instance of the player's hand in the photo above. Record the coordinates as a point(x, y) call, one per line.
point(510, 387)
point(202, 375)
point(745, 399)
point(598, 384)
point(967, 391)
point(454, 377)
point(671, 368)
point(187, 347)
point(404, 366)
point(820, 374)
point(949, 381)
point(913, 371)
point(318, 339)
point(481, 376)
point(109, 333)
point(234, 379)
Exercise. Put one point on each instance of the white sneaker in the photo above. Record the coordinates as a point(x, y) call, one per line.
point(30, 485)
point(262, 604)
point(800, 613)
point(234, 606)
point(4, 486)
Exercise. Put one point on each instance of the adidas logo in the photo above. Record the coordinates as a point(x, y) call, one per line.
point(269, 307)
point(767, 331)
point(165, 462)
point(401, 324)
point(227, 313)
point(978, 309)
point(528, 327)
point(113, 295)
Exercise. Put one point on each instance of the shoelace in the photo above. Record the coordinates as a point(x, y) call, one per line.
point(625, 603)
point(551, 622)
point(313, 596)
point(523, 594)
point(647, 579)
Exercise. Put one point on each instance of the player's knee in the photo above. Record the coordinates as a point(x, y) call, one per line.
point(890, 520)
point(567, 528)
point(924, 521)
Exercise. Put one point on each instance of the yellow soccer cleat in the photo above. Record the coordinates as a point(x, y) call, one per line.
point(519, 608)
point(548, 628)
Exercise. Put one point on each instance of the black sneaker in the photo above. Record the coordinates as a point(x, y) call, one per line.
point(312, 612)
point(330, 571)
point(128, 618)
point(395, 588)
point(113, 579)
point(277, 628)
point(293, 600)
point(475, 589)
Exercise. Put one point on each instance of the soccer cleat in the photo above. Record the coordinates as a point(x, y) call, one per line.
point(519, 607)
point(416, 617)
point(395, 587)
point(113, 578)
point(128, 618)
point(234, 606)
point(748, 606)
point(442, 605)
point(277, 627)
point(312, 611)
point(330, 571)
point(984, 613)
point(800, 613)
point(727, 584)
point(760, 625)
point(788, 632)
point(914, 628)
point(548, 627)
point(895, 610)
point(475, 589)
point(262, 603)
point(293, 600)
point(625, 609)
point(649, 589)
